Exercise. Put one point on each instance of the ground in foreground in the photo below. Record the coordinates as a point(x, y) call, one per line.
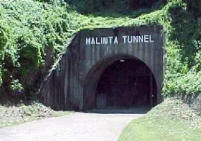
point(16, 114)
point(104, 125)
point(170, 121)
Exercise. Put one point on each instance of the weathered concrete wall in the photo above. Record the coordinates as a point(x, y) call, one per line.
point(73, 83)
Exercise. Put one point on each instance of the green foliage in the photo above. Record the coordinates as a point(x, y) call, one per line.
point(30, 52)
point(189, 83)
point(3, 38)
point(34, 29)
point(15, 85)
point(29, 30)
point(183, 70)
point(3, 41)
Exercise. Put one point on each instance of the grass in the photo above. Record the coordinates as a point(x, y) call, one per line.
point(18, 114)
point(170, 121)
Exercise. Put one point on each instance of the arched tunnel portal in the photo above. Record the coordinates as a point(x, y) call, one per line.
point(108, 67)
point(120, 82)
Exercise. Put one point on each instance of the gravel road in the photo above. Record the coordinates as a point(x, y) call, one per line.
point(101, 125)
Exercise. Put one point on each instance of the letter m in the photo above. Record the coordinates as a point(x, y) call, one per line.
point(88, 41)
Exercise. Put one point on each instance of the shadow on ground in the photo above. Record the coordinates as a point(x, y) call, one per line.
point(140, 110)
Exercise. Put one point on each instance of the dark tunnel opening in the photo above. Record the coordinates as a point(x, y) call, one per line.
point(126, 83)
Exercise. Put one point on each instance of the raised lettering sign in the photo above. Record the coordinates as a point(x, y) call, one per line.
point(127, 39)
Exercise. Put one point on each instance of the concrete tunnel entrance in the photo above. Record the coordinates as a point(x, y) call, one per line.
point(122, 83)
point(126, 83)
point(108, 67)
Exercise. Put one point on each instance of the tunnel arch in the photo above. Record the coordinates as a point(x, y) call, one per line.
point(96, 72)
point(72, 84)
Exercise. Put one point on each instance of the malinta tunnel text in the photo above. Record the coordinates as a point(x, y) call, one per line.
point(115, 40)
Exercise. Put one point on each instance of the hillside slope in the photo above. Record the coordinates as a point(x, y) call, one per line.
point(171, 120)
point(34, 34)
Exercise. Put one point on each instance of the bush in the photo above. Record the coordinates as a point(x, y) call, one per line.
point(183, 69)
point(3, 42)
point(35, 29)
point(16, 86)
point(34, 34)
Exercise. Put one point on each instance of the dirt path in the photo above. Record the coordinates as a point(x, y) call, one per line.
point(105, 125)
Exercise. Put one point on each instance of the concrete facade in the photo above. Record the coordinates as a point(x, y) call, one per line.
point(72, 84)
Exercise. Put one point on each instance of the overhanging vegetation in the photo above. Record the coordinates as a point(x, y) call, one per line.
point(34, 34)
